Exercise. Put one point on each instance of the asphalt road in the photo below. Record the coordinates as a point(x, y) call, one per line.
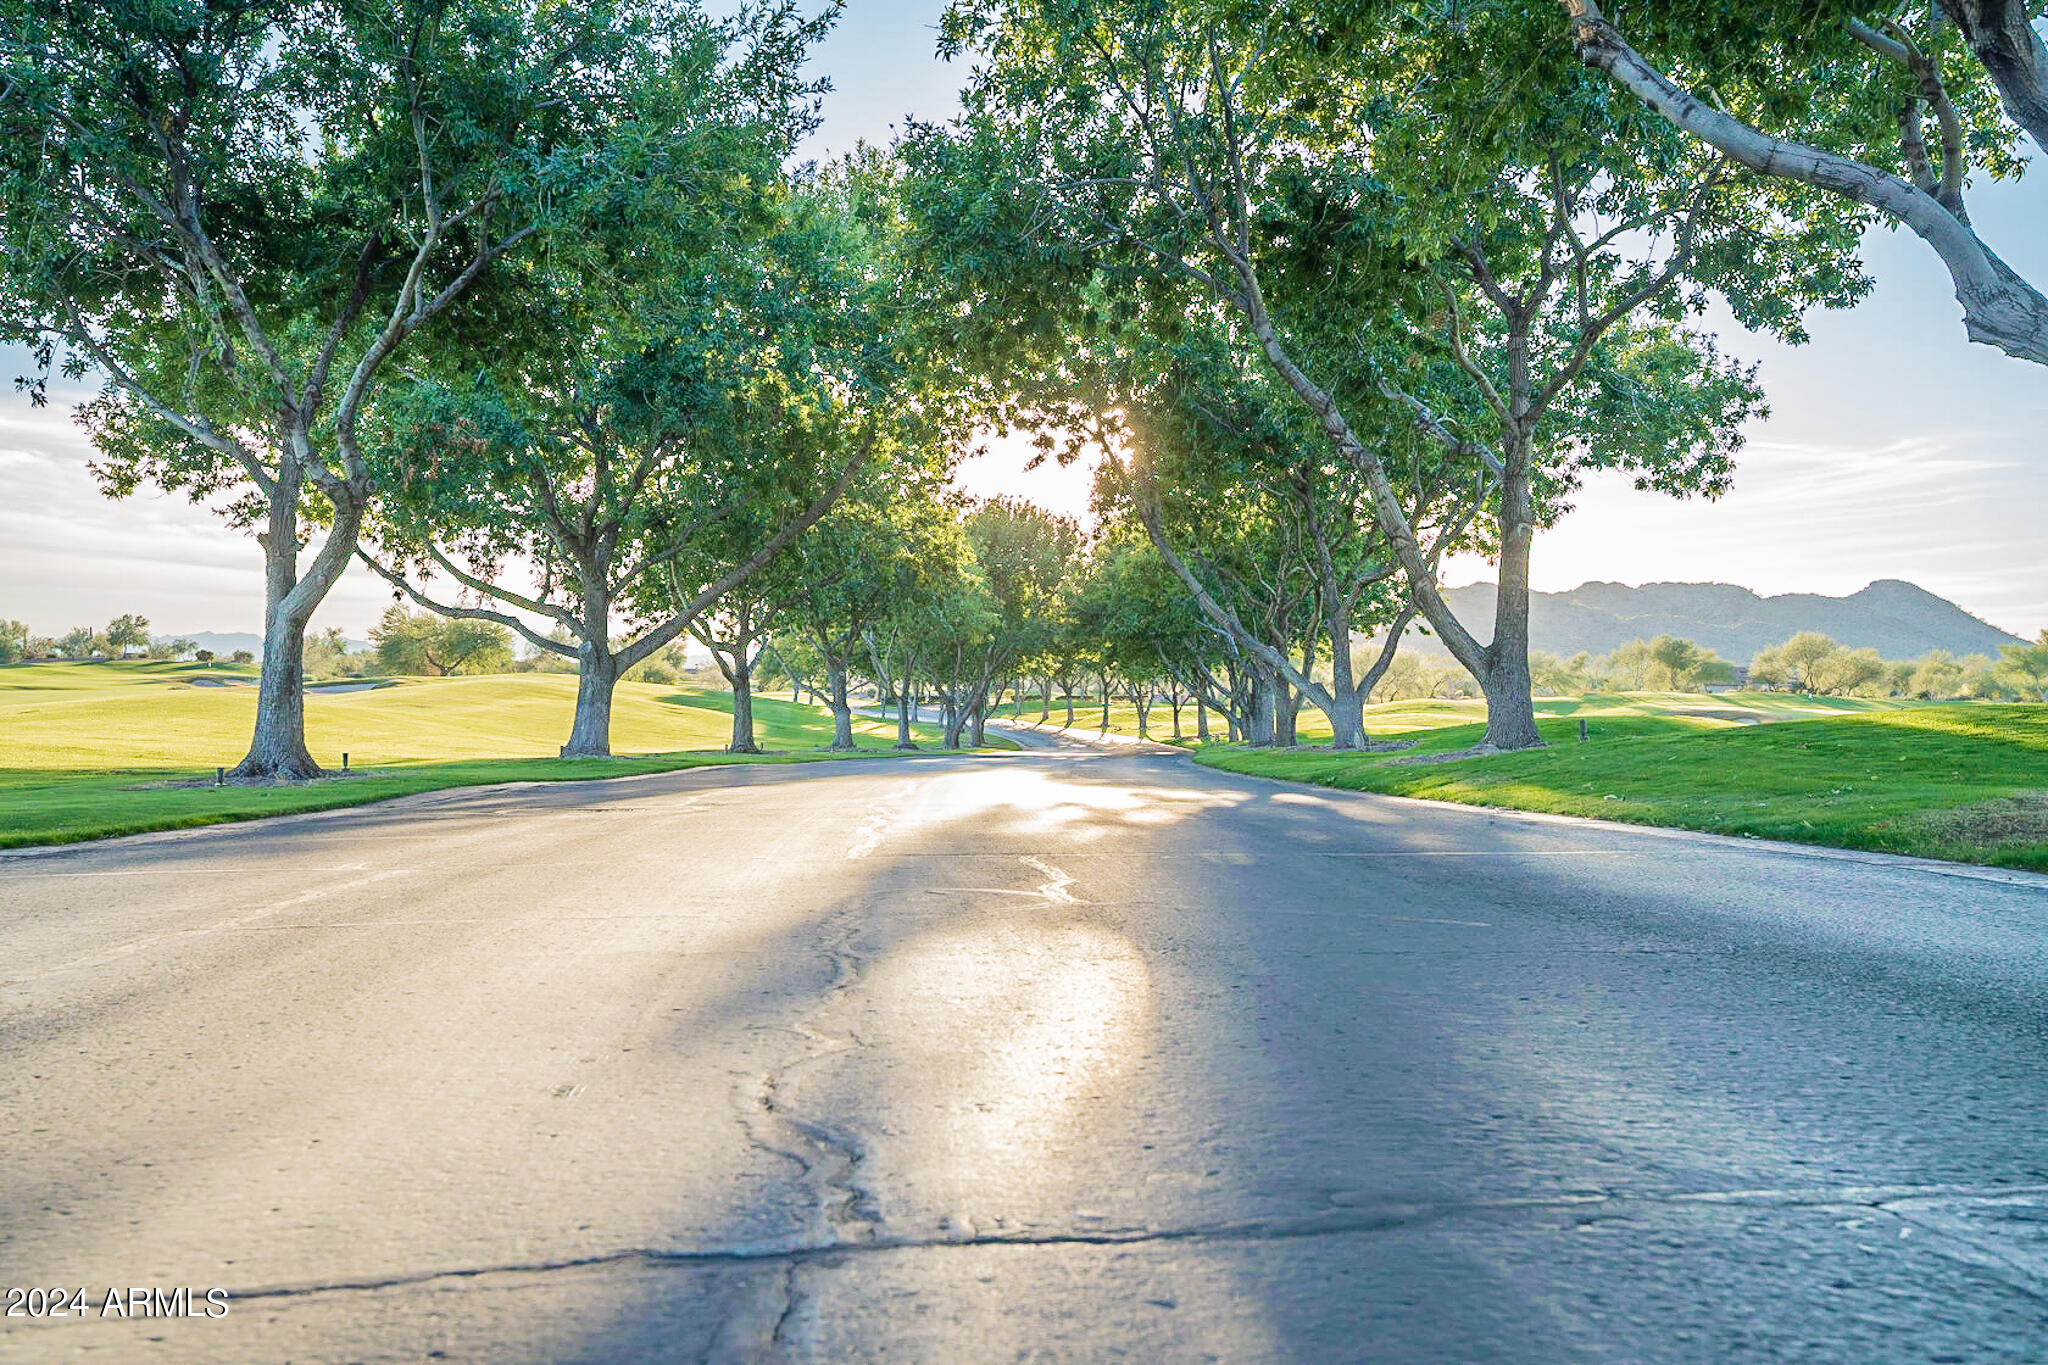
point(1049, 1056)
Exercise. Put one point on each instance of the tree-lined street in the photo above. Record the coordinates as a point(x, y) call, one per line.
point(1053, 1053)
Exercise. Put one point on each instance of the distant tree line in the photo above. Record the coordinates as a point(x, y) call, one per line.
point(1808, 662)
point(125, 636)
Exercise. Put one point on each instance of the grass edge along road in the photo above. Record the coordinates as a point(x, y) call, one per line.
point(1962, 782)
point(94, 751)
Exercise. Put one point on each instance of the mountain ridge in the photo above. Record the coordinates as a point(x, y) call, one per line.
point(1900, 620)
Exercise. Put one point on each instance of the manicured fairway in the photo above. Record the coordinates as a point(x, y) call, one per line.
point(1966, 781)
point(1395, 718)
point(91, 750)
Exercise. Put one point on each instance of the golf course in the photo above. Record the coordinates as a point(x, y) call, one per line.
point(90, 750)
point(1962, 781)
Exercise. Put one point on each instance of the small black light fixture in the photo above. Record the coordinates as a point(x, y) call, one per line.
point(1582, 729)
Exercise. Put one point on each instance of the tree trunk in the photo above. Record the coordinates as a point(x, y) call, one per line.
point(742, 675)
point(1175, 698)
point(1347, 718)
point(1045, 702)
point(590, 734)
point(903, 739)
point(1510, 703)
point(1069, 698)
point(842, 709)
point(277, 745)
point(1259, 723)
point(1201, 719)
point(1143, 701)
point(1286, 707)
point(1105, 703)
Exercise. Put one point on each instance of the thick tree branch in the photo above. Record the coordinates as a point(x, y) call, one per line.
point(2002, 34)
point(1898, 45)
point(1999, 308)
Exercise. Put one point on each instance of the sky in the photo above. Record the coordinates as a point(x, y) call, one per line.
point(1894, 448)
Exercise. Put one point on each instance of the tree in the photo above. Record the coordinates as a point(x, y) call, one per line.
point(1768, 669)
point(949, 627)
point(701, 408)
point(1672, 663)
point(328, 656)
point(697, 416)
point(438, 647)
point(1555, 677)
point(1981, 680)
point(1440, 273)
point(1807, 656)
point(1224, 439)
point(1141, 616)
point(796, 660)
point(737, 630)
point(1936, 676)
point(13, 642)
point(1848, 672)
point(1626, 668)
point(846, 575)
point(126, 632)
point(1676, 659)
point(2025, 668)
point(1026, 556)
point(82, 642)
point(239, 215)
point(204, 656)
point(1850, 96)
point(1424, 675)
point(938, 601)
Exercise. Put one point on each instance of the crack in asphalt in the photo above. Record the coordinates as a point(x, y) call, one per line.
point(825, 1153)
point(1054, 890)
point(828, 1154)
point(1393, 1215)
point(881, 815)
point(786, 1287)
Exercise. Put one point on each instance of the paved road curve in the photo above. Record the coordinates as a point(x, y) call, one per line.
point(1047, 1055)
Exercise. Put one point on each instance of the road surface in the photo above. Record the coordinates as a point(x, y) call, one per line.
point(1049, 1055)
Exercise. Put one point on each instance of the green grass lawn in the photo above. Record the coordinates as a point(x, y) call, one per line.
point(92, 750)
point(1966, 781)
